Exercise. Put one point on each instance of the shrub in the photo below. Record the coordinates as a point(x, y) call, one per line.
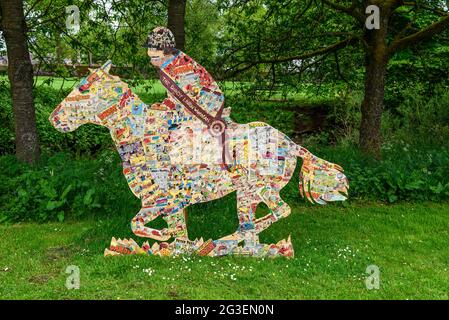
point(406, 172)
point(424, 119)
point(88, 139)
point(61, 187)
point(64, 187)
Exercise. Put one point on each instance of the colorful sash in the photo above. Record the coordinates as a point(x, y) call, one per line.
point(216, 125)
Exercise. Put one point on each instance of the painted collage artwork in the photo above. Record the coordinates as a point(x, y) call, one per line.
point(187, 150)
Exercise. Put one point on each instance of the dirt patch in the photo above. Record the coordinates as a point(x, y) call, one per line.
point(39, 278)
point(173, 294)
point(57, 253)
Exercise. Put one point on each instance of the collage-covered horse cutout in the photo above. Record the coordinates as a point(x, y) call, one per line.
point(177, 153)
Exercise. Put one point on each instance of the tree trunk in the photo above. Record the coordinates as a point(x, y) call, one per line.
point(376, 61)
point(372, 106)
point(59, 59)
point(20, 74)
point(176, 14)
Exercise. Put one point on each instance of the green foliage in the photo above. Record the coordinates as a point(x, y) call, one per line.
point(203, 25)
point(245, 111)
point(423, 118)
point(419, 119)
point(345, 117)
point(406, 172)
point(80, 172)
point(6, 119)
point(63, 187)
point(88, 139)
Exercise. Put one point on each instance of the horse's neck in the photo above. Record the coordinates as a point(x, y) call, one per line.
point(131, 121)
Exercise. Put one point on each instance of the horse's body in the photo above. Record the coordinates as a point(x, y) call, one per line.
point(170, 161)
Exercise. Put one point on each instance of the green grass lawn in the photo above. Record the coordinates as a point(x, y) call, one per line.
point(333, 246)
point(152, 87)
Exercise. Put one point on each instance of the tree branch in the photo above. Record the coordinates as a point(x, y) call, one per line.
point(32, 7)
point(424, 34)
point(352, 11)
point(415, 5)
point(332, 48)
point(337, 64)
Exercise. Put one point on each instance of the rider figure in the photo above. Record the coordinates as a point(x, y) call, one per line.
point(188, 75)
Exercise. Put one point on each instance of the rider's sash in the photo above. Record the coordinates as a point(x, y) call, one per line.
point(187, 102)
point(215, 124)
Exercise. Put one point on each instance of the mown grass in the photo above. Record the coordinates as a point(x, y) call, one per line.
point(333, 245)
point(153, 87)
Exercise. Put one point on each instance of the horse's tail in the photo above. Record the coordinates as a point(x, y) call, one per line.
point(321, 181)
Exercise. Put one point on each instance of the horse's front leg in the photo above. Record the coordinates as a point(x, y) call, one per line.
point(144, 216)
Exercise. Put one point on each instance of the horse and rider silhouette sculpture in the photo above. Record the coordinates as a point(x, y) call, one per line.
point(187, 150)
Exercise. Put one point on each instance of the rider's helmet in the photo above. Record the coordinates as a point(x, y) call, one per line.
point(161, 38)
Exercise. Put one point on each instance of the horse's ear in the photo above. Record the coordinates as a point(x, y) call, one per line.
point(107, 66)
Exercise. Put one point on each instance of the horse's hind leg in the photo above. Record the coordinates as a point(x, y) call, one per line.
point(278, 208)
point(144, 216)
point(250, 227)
point(246, 210)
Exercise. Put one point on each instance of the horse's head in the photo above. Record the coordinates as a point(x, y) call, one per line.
point(87, 100)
